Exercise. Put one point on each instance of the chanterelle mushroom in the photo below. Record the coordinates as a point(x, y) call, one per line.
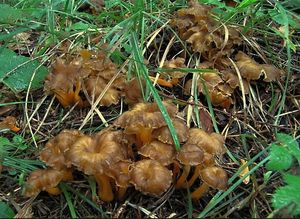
point(214, 177)
point(150, 177)
point(142, 119)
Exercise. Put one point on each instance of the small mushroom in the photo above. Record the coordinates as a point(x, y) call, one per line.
point(174, 75)
point(161, 152)
point(142, 119)
point(94, 155)
point(120, 173)
point(214, 177)
point(189, 155)
point(46, 180)
point(211, 143)
point(53, 154)
point(150, 177)
point(163, 134)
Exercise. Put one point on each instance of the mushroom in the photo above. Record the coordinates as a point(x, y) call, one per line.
point(62, 80)
point(53, 154)
point(46, 180)
point(211, 143)
point(163, 134)
point(9, 123)
point(150, 177)
point(133, 91)
point(189, 155)
point(161, 152)
point(214, 177)
point(120, 173)
point(94, 155)
point(142, 119)
point(174, 75)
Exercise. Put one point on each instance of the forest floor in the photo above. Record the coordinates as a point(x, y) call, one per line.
point(257, 110)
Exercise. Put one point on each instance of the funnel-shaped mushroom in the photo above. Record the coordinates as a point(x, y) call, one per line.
point(53, 154)
point(120, 173)
point(174, 75)
point(150, 177)
point(94, 155)
point(46, 180)
point(211, 143)
point(163, 134)
point(214, 177)
point(142, 119)
point(189, 155)
point(161, 152)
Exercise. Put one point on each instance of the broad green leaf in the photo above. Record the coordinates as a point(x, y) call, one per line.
point(280, 158)
point(6, 211)
point(289, 142)
point(288, 195)
point(16, 71)
point(9, 14)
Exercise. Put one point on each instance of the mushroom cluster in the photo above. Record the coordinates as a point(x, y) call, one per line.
point(137, 151)
point(216, 43)
point(82, 79)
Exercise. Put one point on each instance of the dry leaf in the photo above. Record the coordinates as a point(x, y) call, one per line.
point(244, 172)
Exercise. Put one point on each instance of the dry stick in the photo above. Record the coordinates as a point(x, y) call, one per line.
point(164, 58)
point(26, 103)
point(45, 116)
point(36, 109)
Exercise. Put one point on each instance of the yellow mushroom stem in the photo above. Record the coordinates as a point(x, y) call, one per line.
point(195, 175)
point(144, 136)
point(181, 182)
point(162, 82)
point(104, 187)
point(67, 99)
point(198, 193)
point(175, 81)
point(121, 193)
point(176, 169)
point(54, 191)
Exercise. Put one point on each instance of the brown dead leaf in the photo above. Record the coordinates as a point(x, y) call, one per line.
point(9, 123)
point(244, 172)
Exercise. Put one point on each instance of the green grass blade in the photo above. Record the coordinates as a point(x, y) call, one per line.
point(69, 200)
point(140, 66)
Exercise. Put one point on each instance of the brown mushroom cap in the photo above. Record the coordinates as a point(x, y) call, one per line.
point(190, 154)
point(161, 152)
point(44, 179)
point(93, 155)
point(53, 154)
point(210, 143)
point(120, 173)
point(9, 123)
point(215, 177)
point(163, 134)
point(144, 115)
point(150, 177)
point(175, 63)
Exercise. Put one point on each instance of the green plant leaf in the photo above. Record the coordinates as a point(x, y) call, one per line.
point(289, 142)
point(16, 71)
point(9, 14)
point(280, 158)
point(6, 211)
point(288, 195)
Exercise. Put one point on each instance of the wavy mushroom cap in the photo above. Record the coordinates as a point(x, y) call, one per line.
point(173, 64)
point(120, 173)
point(215, 177)
point(190, 154)
point(44, 179)
point(163, 134)
point(95, 85)
point(211, 143)
point(233, 81)
point(133, 91)
point(53, 154)
point(150, 177)
point(144, 115)
point(161, 152)
point(94, 155)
